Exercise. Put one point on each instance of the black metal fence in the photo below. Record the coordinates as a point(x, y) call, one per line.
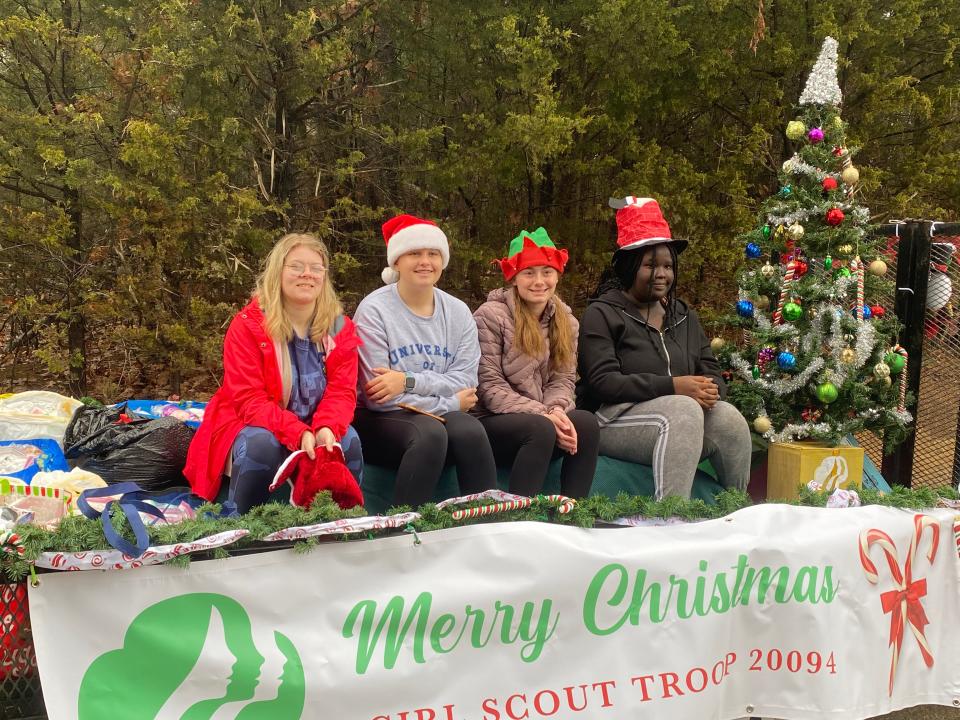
point(924, 256)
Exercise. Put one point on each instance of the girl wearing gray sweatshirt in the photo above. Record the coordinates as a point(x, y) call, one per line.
point(418, 371)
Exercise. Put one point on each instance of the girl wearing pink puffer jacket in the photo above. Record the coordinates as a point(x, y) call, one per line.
point(528, 356)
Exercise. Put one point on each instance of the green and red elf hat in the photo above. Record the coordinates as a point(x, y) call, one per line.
point(641, 223)
point(529, 249)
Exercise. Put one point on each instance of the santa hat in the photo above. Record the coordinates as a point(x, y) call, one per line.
point(640, 223)
point(308, 477)
point(529, 249)
point(405, 233)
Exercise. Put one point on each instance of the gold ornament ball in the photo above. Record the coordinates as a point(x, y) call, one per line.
point(762, 303)
point(837, 122)
point(717, 343)
point(878, 267)
point(762, 424)
point(887, 381)
point(881, 370)
point(850, 175)
point(796, 129)
point(768, 270)
point(795, 231)
point(848, 355)
point(845, 249)
point(788, 166)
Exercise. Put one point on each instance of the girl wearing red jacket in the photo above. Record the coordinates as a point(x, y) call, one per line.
point(289, 379)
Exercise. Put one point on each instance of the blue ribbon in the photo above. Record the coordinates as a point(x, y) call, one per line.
point(131, 502)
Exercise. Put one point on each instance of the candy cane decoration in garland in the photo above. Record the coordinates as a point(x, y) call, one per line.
point(492, 509)
point(904, 601)
point(784, 289)
point(858, 268)
point(565, 505)
point(902, 401)
point(11, 542)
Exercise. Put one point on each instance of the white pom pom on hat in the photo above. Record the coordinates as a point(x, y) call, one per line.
point(405, 233)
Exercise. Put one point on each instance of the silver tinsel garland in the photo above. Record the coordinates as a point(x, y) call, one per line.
point(780, 387)
point(797, 431)
point(858, 214)
point(822, 87)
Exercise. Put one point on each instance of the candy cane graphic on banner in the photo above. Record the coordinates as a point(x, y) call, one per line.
point(904, 601)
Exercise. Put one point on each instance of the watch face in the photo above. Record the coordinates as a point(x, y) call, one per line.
point(408, 382)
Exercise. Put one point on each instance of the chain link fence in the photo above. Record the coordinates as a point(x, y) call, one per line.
point(924, 257)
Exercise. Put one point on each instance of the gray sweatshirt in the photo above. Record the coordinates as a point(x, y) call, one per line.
point(442, 351)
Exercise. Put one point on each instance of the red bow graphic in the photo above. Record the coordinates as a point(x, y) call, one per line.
point(904, 601)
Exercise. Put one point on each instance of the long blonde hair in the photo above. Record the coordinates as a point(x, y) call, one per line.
point(529, 340)
point(270, 295)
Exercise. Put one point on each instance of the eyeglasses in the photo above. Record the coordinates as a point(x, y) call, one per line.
point(299, 268)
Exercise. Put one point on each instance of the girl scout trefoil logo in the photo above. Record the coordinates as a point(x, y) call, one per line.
point(145, 678)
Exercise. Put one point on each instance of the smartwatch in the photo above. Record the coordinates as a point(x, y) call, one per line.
point(409, 381)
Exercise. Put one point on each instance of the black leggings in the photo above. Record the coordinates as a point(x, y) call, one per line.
point(529, 442)
point(419, 447)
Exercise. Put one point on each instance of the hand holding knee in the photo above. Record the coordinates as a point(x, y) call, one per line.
point(566, 432)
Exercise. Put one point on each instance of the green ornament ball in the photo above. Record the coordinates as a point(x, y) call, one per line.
point(755, 371)
point(827, 392)
point(827, 262)
point(792, 312)
point(896, 361)
point(796, 130)
point(842, 272)
point(786, 191)
point(765, 232)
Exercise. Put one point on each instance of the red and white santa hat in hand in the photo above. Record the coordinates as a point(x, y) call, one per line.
point(405, 233)
point(641, 223)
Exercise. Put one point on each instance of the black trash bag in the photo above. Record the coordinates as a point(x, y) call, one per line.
point(151, 453)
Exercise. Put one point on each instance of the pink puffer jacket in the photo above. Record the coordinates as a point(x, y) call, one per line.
point(511, 381)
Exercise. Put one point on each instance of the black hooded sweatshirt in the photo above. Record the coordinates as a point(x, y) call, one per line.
point(623, 359)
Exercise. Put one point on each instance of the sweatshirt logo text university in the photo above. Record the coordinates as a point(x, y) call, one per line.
point(404, 351)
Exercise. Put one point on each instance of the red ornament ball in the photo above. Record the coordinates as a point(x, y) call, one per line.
point(877, 311)
point(834, 216)
point(799, 268)
point(829, 183)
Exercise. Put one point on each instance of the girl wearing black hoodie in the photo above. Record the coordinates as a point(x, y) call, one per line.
point(646, 368)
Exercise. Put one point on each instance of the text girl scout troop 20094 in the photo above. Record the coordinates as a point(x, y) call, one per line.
point(420, 383)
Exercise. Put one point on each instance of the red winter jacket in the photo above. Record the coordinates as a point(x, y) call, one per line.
point(252, 394)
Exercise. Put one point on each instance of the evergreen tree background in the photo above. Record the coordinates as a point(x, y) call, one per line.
point(151, 152)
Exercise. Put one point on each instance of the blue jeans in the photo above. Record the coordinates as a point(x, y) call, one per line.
point(256, 456)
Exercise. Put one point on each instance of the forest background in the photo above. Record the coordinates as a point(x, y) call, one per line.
point(151, 152)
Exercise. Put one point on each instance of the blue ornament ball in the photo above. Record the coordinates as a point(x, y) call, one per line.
point(787, 361)
point(745, 308)
point(753, 251)
point(867, 312)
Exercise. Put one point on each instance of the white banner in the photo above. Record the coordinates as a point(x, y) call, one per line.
point(774, 611)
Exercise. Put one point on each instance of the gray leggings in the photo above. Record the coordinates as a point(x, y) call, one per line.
point(674, 434)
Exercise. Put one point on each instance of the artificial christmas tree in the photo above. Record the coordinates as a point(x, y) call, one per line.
point(818, 358)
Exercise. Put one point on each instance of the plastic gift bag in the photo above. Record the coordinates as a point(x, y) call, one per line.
point(73, 482)
point(188, 411)
point(32, 504)
point(24, 459)
point(118, 448)
point(36, 414)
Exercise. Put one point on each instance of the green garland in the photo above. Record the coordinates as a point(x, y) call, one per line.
point(77, 533)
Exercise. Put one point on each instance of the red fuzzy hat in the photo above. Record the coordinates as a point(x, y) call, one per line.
point(405, 233)
point(640, 223)
point(308, 477)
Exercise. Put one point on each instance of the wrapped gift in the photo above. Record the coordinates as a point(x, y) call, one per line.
point(791, 466)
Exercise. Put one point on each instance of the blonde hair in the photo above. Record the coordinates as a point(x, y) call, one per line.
point(270, 295)
point(528, 338)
